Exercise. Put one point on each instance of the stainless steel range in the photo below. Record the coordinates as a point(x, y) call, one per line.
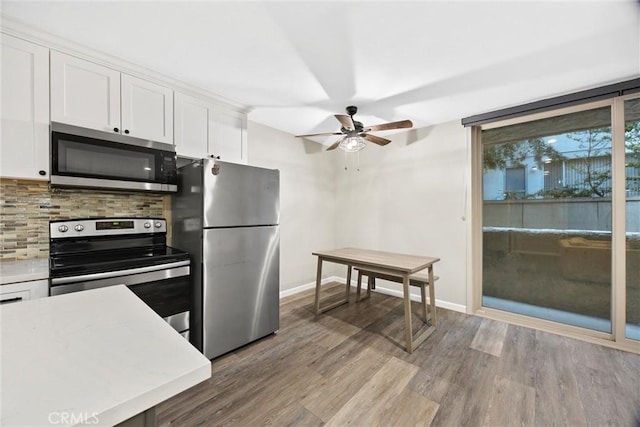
point(94, 253)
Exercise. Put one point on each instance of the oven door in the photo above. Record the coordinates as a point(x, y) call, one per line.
point(88, 158)
point(164, 288)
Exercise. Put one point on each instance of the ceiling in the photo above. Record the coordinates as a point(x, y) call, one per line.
point(294, 64)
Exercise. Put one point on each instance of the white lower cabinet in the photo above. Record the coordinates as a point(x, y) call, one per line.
point(24, 111)
point(23, 291)
point(203, 129)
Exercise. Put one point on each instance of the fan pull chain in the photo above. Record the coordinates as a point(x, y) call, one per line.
point(357, 161)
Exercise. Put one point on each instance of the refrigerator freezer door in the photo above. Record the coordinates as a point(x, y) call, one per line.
point(239, 195)
point(241, 281)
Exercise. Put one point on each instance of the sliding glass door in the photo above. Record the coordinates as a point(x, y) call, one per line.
point(547, 245)
point(560, 219)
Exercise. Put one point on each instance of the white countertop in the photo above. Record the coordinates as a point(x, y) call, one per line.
point(23, 271)
point(101, 352)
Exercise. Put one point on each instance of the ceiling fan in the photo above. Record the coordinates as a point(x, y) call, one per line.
point(355, 133)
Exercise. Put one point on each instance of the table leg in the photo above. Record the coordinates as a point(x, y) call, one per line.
point(359, 285)
point(348, 285)
point(414, 342)
point(432, 297)
point(424, 304)
point(318, 281)
point(316, 308)
point(408, 333)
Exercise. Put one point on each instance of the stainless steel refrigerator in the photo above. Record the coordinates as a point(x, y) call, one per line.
point(226, 216)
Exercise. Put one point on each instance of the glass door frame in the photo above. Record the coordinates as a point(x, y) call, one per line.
point(616, 338)
point(620, 224)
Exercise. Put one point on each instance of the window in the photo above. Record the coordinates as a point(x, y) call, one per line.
point(515, 181)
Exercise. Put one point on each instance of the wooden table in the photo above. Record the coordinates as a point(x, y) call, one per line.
point(394, 264)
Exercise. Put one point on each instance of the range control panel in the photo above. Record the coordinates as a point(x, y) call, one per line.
point(106, 227)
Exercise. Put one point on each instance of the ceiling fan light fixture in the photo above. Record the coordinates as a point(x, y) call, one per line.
point(356, 135)
point(352, 144)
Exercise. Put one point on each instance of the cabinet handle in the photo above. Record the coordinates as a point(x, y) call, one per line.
point(126, 131)
point(8, 300)
point(42, 173)
point(213, 156)
point(116, 130)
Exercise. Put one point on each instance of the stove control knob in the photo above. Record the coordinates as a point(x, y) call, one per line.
point(62, 228)
point(147, 225)
point(158, 224)
point(79, 227)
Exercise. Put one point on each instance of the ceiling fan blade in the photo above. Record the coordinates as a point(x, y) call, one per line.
point(376, 139)
point(393, 125)
point(345, 121)
point(319, 134)
point(334, 145)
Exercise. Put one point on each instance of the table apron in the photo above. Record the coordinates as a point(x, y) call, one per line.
point(375, 268)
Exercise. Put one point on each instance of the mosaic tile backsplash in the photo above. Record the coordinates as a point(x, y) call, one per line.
point(26, 207)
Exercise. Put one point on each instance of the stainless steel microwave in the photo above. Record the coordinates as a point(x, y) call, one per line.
point(83, 157)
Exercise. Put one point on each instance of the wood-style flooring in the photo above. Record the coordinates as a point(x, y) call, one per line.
point(347, 367)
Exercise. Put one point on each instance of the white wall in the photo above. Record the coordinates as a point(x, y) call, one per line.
point(409, 197)
point(307, 200)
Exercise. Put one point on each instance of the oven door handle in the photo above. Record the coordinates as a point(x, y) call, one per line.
point(108, 274)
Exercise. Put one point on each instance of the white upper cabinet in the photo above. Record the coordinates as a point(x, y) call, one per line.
point(84, 94)
point(40, 86)
point(192, 126)
point(203, 129)
point(229, 139)
point(92, 96)
point(24, 137)
point(147, 109)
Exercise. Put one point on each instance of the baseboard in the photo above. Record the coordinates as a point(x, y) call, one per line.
point(307, 286)
point(439, 303)
point(381, 289)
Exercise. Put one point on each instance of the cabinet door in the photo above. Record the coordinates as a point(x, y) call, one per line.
point(23, 291)
point(147, 110)
point(24, 137)
point(84, 94)
point(228, 138)
point(192, 130)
